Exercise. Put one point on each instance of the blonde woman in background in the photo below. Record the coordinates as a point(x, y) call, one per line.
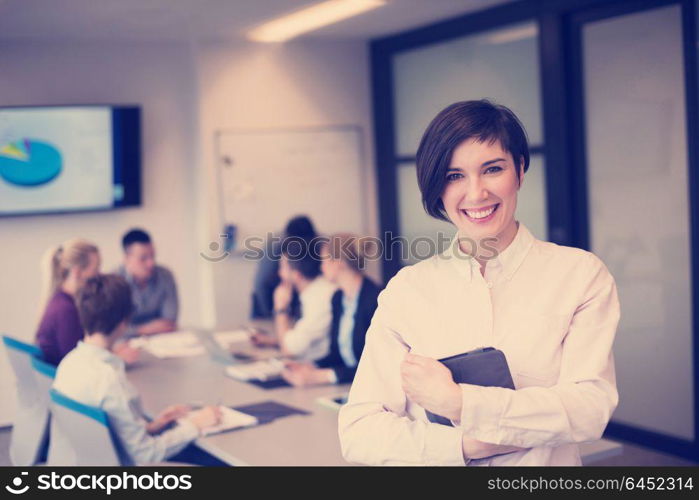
point(67, 269)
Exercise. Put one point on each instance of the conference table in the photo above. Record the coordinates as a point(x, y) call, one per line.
point(295, 440)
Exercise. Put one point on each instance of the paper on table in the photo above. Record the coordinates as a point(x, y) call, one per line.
point(230, 419)
point(259, 370)
point(225, 339)
point(176, 352)
point(182, 337)
point(170, 345)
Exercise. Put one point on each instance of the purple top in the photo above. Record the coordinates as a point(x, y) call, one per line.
point(60, 328)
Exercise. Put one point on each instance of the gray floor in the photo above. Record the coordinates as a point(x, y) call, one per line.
point(633, 455)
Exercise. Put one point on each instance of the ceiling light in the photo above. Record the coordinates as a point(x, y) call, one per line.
point(311, 18)
point(515, 34)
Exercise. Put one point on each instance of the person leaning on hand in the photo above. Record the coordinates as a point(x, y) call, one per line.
point(552, 310)
point(306, 339)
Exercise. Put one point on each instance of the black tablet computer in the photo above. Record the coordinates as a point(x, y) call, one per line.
point(486, 366)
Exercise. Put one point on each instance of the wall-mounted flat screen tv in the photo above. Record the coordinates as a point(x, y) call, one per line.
point(69, 158)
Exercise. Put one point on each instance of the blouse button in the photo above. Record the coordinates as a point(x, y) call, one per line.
point(490, 284)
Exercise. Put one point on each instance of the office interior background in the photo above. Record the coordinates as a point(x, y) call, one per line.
point(606, 89)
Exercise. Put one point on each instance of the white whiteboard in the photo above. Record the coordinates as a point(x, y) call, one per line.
point(267, 177)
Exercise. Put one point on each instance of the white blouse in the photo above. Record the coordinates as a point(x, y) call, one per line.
point(309, 339)
point(553, 310)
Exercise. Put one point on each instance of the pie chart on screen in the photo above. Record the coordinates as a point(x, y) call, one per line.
point(29, 162)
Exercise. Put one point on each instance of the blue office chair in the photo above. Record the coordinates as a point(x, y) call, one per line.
point(80, 434)
point(30, 427)
point(44, 373)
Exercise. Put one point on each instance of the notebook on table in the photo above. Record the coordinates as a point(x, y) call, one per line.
point(486, 366)
point(272, 383)
point(268, 411)
point(256, 371)
point(230, 419)
point(265, 374)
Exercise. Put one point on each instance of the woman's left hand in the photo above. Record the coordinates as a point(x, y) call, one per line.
point(429, 383)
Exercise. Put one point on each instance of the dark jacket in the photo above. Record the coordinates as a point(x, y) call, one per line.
point(366, 305)
point(266, 280)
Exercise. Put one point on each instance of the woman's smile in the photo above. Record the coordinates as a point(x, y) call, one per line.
point(481, 215)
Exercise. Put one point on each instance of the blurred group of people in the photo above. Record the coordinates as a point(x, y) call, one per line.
point(320, 300)
point(68, 268)
point(317, 295)
point(85, 328)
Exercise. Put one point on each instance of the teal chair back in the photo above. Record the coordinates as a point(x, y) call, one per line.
point(80, 434)
point(30, 426)
point(44, 373)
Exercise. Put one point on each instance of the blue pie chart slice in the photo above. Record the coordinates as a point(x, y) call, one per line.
point(41, 164)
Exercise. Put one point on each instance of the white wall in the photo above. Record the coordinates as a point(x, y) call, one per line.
point(160, 78)
point(300, 84)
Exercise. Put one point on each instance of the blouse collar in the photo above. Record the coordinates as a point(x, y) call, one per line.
point(508, 260)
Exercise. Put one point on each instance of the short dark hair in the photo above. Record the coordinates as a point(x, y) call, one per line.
point(481, 120)
point(134, 236)
point(302, 255)
point(103, 303)
point(300, 226)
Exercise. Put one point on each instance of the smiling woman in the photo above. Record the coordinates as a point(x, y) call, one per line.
point(477, 189)
point(552, 310)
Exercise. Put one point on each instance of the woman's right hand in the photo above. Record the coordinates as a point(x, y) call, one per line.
point(206, 417)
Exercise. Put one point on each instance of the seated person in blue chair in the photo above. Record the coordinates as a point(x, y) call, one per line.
point(92, 375)
point(353, 306)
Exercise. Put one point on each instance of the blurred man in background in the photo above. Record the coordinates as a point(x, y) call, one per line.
point(153, 287)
